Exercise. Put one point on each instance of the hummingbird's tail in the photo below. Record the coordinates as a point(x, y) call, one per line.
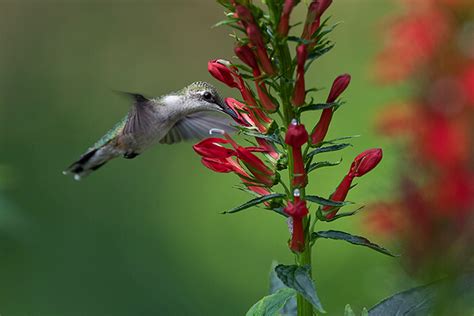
point(90, 161)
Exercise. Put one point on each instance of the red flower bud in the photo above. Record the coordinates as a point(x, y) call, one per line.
point(315, 11)
point(297, 210)
point(365, 162)
point(246, 55)
point(255, 37)
point(321, 129)
point(244, 14)
point(267, 103)
point(283, 25)
point(362, 164)
point(338, 86)
point(222, 73)
point(296, 136)
point(299, 92)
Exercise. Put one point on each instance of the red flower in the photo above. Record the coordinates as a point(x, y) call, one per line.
point(222, 73)
point(299, 93)
point(219, 158)
point(246, 54)
point(283, 25)
point(315, 11)
point(362, 164)
point(251, 117)
point(321, 129)
point(256, 39)
point(339, 85)
point(297, 136)
point(297, 210)
point(365, 161)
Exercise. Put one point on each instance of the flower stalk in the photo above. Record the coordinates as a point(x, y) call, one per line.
point(272, 116)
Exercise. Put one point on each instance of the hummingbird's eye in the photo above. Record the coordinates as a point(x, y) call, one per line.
point(207, 96)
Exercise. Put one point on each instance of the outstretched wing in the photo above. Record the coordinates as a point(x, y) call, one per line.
point(140, 117)
point(197, 126)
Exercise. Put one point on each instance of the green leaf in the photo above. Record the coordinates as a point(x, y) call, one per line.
point(321, 164)
point(271, 304)
point(225, 22)
point(353, 239)
point(325, 202)
point(299, 279)
point(316, 106)
point(290, 308)
point(322, 217)
point(348, 311)
point(455, 296)
point(328, 149)
point(254, 202)
point(332, 141)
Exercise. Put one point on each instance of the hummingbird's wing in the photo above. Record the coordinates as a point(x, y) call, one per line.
point(197, 126)
point(140, 117)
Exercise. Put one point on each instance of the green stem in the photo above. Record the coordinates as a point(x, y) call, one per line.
point(304, 307)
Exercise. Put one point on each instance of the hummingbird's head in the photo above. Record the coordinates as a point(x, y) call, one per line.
point(203, 96)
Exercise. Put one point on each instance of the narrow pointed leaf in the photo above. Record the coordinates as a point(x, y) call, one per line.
point(299, 279)
point(316, 106)
point(325, 202)
point(322, 216)
point(423, 300)
point(271, 304)
point(254, 202)
point(335, 140)
point(321, 164)
point(328, 149)
point(353, 239)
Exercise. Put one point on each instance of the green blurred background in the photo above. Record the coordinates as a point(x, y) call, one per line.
point(144, 237)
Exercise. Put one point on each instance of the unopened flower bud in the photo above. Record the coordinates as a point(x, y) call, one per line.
point(221, 72)
point(366, 161)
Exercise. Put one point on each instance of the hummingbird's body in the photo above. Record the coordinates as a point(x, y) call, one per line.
point(187, 114)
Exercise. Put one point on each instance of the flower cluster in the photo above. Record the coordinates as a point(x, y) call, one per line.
point(434, 43)
point(274, 96)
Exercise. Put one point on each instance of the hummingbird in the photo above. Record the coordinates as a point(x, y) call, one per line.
point(189, 113)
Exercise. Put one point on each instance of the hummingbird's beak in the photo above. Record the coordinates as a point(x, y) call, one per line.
point(228, 110)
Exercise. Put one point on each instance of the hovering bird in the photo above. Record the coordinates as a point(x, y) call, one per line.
point(187, 114)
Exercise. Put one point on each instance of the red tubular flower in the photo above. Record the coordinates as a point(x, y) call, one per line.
point(222, 73)
point(361, 165)
point(339, 85)
point(297, 136)
point(246, 54)
point(320, 130)
point(256, 39)
point(211, 148)
point(366, 161)
point(249, 116)
point(299, 93)
point(315, 11)
point(283, 25)
point(297, 210)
